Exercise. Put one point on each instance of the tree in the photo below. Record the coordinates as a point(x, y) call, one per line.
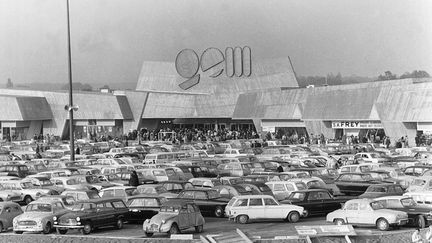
point(415, 74)
point(9, 84)
point(387, 76)
point(78, 86)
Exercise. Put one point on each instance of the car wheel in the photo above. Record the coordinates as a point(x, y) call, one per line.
point(119, 224)
point(421, 222)
point(305, 213)
point(47, 228)
point(382, 224)
point(18, 232)
point(199, 228)
point(243, 219)
point(28, 199)
point(148, 234)
point(62, 231)
point(219, 212)
point(173, 230)
point(339, 222)
point(293, 217)
point(87, 229)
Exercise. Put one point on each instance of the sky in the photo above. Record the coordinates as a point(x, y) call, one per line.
point(112, 38)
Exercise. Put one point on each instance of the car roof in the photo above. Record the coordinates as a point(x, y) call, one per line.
point(3, 204)
point(178, 202)
point(145, 196)
point(360, 200)
point(101, 200)
point(253, 196)
point(119, 187)
point(312, 190)
point(392, 197)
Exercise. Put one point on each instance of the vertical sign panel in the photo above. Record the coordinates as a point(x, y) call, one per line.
point(238, 62)
point(229, 62)
point(247, 61)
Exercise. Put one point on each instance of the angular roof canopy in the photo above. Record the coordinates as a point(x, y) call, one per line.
point(24, 108)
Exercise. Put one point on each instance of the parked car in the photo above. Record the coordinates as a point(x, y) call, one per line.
point(314, 201)
point(257, 188)
point(209, 201)
point(176, 186)
point(423, 183)
point(283, 189)
point(251, 207)
point(380, 190)
point(39, 216)
point(156, 189)
point(8, 211)
point(122, 192)
point(81, 195)
point(26, 189)
point(9, 195)
point(173, 217)
point(91, 214)
point(418, 216)
point(367, 212)
point(205, 182)
point(143, 207)
point(354, 183)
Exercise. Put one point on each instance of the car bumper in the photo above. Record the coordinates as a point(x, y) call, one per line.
point(28, 228)
point(157, 228)
point(69, 226)
point(401, 222)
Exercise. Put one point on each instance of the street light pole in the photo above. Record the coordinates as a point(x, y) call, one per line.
point(71, 130)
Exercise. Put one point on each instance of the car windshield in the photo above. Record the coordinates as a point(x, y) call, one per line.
point(26, 185)
point(131, 191)
point(301, 186)
point(46, 183)
point(83, 206)
point(170, 209)
point(159, 173)
point(367, 177)
point(408, 202)
point(418, 182)
point(376, 189)
point(297, 196)
point(377, 205)
point(38, 207)
point(143, 202)
point(213, 194)
point(71, 182)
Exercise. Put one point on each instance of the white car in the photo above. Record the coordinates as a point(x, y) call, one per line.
point(249, 207)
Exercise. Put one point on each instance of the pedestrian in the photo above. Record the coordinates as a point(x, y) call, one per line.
point(279, 168)
point(77, 151)
point(416, 237)
point(133, 180)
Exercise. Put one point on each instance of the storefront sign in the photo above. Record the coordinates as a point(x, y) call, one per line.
point(268, 129)
point(236, 62)
point(356, 125)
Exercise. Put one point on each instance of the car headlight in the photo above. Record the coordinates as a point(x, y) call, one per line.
point(163, 222)
point(55, 218)
point(38, 194)
point(78, 218)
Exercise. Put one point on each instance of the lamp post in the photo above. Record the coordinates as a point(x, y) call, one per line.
point(70, 108)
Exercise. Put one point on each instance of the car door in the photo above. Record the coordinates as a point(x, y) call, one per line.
point(329, 204)
point(351, 213)
point(272, 209)
point(183, 218)
point(192, 215)
point(8, 215)
point(366, 214)
point(256, 209)
point(201, 199)
point(315, 200)
point(102, 215)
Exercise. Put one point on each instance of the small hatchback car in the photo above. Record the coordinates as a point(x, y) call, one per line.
point(175, 215)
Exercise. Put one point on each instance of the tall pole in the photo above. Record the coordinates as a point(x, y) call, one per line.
point(71, 130)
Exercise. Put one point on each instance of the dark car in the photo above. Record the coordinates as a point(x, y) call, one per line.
point(418, 216)
point(143, 207)
point(257, 188)
point(91, 214)
point(381, 190)
point(17, 170)
point(209, 201)
point(176, 186)
point(314, 201)
point(354, 183)
point(125, 177)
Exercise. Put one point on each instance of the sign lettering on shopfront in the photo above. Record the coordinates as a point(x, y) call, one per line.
point(236, 62)
point(356, 124)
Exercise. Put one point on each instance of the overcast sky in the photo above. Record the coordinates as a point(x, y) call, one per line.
point(111, 38)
